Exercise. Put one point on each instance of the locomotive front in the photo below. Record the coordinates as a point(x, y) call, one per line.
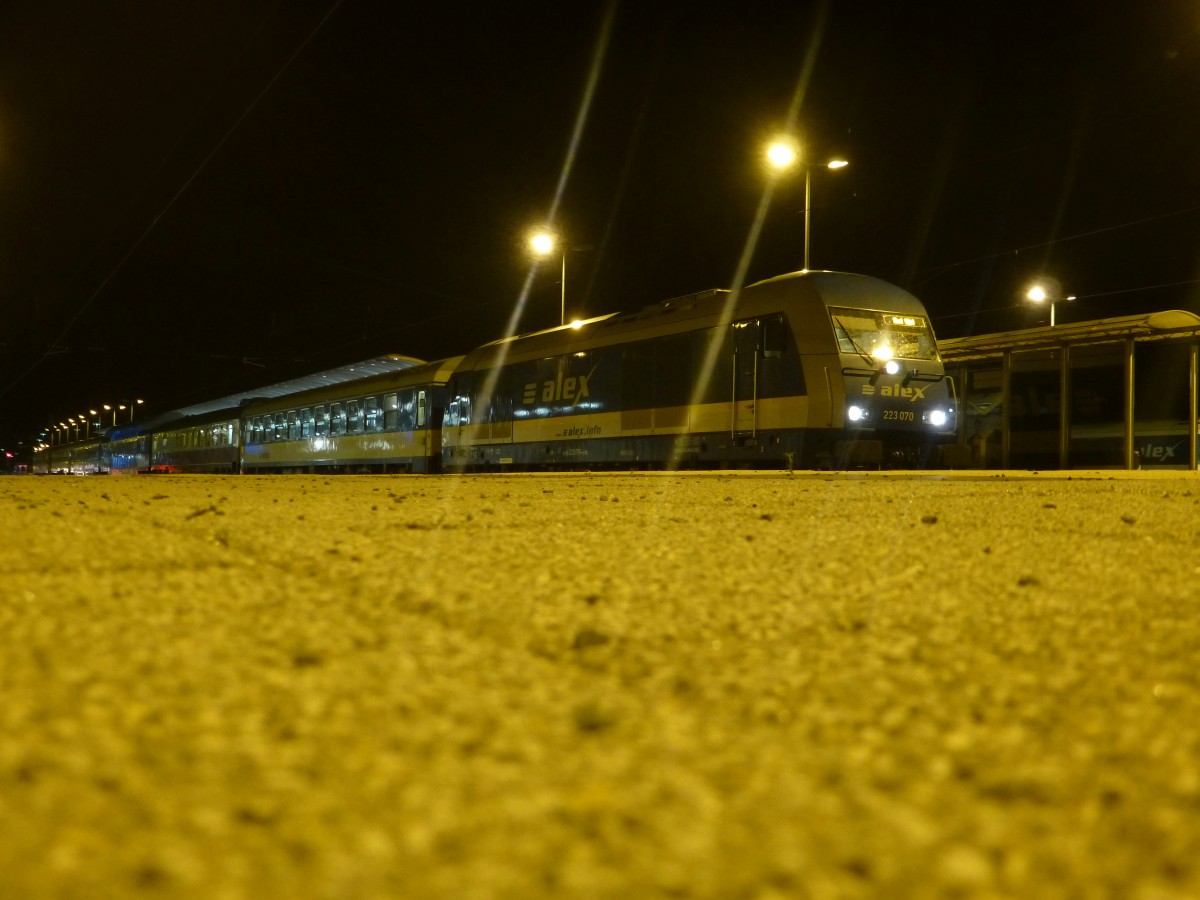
point(896, 391)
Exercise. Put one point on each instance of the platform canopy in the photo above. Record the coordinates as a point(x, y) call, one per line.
point(1175, 324)
point(995, 356)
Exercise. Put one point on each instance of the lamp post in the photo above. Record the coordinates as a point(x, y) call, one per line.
point(782, 154)
point(1038, 294)
point(543, 243)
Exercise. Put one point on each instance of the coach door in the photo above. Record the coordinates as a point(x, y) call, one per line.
point(422, 420)
point(745, 376)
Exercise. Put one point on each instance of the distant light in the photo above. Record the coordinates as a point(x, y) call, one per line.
point(542, 243)
point(1037, 293)
point(781, 154)
point(837, 164)
point(577, 324)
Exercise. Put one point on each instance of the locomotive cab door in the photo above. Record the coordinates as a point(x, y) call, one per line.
point(745, 377)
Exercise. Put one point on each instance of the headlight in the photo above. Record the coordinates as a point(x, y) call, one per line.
point(856, 413)
point(937, 418)
point(892, 367)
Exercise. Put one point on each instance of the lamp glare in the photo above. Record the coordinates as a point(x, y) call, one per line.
point(781, 155)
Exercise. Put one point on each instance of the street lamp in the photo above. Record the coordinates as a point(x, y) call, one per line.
point(544, 244)
point(782, 154)
point(1038, 294)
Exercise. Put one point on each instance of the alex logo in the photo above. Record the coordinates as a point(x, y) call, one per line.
point(573, 388)
point(1161, 451)
point(912, 394)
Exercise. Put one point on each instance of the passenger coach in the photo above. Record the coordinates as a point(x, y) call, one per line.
point(385, 423)
point(812, 369)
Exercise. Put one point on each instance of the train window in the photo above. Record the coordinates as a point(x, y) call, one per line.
point(321, 416)
point(337, 419)
point(773, 336)
point(306, 423)
point(406, 410)
point(293, 428)
point(371, 412)
point(420, 409)
point(882, 335)
point(354, 422)
point(280, 427)
point(391, 412)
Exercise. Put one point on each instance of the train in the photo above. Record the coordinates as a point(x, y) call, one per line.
point(811, 369)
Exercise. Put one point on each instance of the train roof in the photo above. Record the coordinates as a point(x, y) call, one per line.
point(437, 372)
point(849, 289)
point(379, 365)
point(830, 288)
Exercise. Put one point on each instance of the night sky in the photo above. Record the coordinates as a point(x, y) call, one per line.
point(199, 197)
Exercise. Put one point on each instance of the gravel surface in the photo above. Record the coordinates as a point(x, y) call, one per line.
point(601, 686)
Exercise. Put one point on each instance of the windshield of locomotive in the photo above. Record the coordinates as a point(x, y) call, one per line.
point(882, 335)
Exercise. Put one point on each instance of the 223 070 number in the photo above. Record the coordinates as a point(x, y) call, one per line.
point(899, 415)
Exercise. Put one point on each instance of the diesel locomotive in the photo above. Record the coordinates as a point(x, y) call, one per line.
point(811, 369)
